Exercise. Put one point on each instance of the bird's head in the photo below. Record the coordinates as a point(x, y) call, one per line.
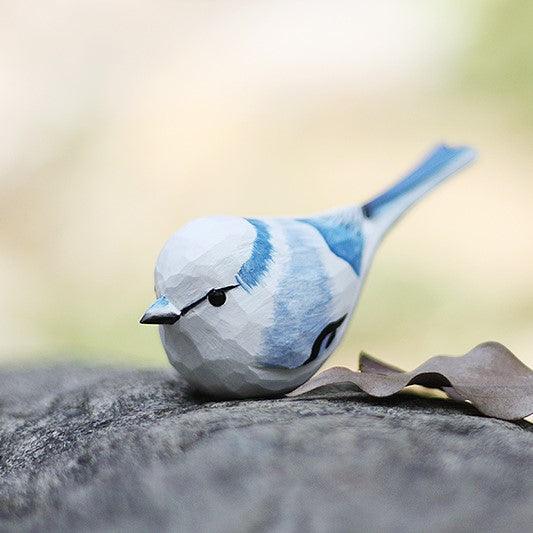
point(211, 299)
point(198, 267)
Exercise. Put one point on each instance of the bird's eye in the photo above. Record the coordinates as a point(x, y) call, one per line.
point(216, 297)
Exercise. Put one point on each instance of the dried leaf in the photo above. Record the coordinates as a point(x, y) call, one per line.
point(367, 363)
point(489, 376)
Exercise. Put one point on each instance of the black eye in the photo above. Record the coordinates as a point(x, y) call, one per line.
point(216, 297)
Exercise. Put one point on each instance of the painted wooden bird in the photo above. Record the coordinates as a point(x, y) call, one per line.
point(252, 307)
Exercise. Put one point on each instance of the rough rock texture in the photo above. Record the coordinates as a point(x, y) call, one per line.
point(132, 450)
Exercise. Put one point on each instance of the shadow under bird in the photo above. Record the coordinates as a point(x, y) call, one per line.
point(252, 307)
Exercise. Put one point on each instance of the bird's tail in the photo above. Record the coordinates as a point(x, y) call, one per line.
point(386, 208)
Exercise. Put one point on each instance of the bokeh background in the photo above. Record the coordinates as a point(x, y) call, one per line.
point(121, 120)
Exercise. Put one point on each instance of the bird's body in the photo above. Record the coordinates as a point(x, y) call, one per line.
point(253, 307)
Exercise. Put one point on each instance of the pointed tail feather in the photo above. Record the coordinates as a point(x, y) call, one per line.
point(440, 164)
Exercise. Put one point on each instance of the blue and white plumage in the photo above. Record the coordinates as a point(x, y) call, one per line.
point(253, 307)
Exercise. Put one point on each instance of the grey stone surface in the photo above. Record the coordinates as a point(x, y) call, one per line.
point(133, 450)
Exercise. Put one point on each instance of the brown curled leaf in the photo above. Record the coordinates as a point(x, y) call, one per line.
point(495, 381)
point(367, 363)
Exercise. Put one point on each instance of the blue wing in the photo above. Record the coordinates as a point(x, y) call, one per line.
point(343, 234)
point(302, 301)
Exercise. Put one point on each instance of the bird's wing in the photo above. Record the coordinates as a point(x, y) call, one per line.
point(321, 343)
point(342, 230)
point(309, 296)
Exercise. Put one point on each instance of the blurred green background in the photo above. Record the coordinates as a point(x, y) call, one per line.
point(122, 120)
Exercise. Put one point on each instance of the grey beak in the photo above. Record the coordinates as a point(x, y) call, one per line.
point(162, 311)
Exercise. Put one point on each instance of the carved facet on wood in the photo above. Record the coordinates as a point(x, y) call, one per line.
point(252, 307)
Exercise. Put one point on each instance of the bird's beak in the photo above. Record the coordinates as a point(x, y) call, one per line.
point(162, 311)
